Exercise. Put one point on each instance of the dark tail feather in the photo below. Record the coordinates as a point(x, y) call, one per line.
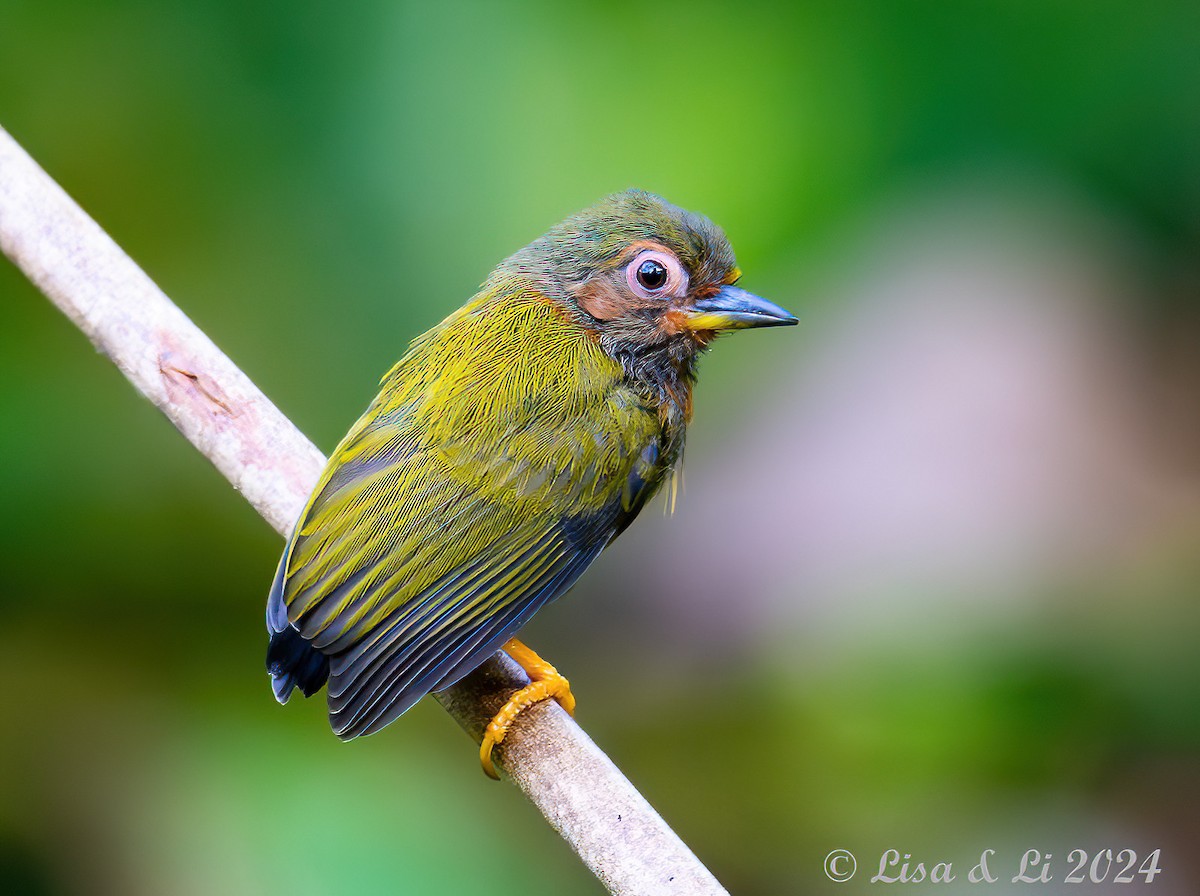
point(294, 663)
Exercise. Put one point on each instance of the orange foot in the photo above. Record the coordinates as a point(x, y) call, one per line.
point(545, 682)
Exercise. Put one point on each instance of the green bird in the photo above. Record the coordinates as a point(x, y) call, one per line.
point(510, 445)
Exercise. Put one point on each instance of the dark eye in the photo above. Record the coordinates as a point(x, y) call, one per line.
point(652, 274)
point(656, 274)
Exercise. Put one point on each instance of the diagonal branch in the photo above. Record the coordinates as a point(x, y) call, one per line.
point(168, 359)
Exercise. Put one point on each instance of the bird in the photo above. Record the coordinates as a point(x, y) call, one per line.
point(509, 446)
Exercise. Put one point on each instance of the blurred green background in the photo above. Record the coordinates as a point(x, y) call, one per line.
point(933, 580)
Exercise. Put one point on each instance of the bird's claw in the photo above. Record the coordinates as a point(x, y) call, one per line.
point(547, 684)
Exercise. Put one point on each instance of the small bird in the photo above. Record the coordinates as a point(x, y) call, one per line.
point(510, 445)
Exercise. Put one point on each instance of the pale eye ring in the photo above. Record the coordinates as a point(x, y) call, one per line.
point(654, 274)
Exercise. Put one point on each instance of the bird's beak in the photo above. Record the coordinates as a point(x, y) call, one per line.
point(731, 308)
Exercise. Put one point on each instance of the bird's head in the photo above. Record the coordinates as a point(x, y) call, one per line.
point(651, 280)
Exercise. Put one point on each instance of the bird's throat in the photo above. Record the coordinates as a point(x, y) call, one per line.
point(663, 376)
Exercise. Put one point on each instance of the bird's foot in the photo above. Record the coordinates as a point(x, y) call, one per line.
point(545, 683)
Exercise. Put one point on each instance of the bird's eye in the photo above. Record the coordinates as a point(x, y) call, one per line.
point(656, 273)
point(652, 274)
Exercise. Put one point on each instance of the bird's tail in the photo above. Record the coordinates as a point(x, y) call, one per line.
point(292, 661)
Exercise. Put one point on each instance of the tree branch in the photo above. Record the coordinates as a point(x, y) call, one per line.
point(169, 360)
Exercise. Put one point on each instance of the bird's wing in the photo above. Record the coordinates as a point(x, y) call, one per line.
point(471, 493)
